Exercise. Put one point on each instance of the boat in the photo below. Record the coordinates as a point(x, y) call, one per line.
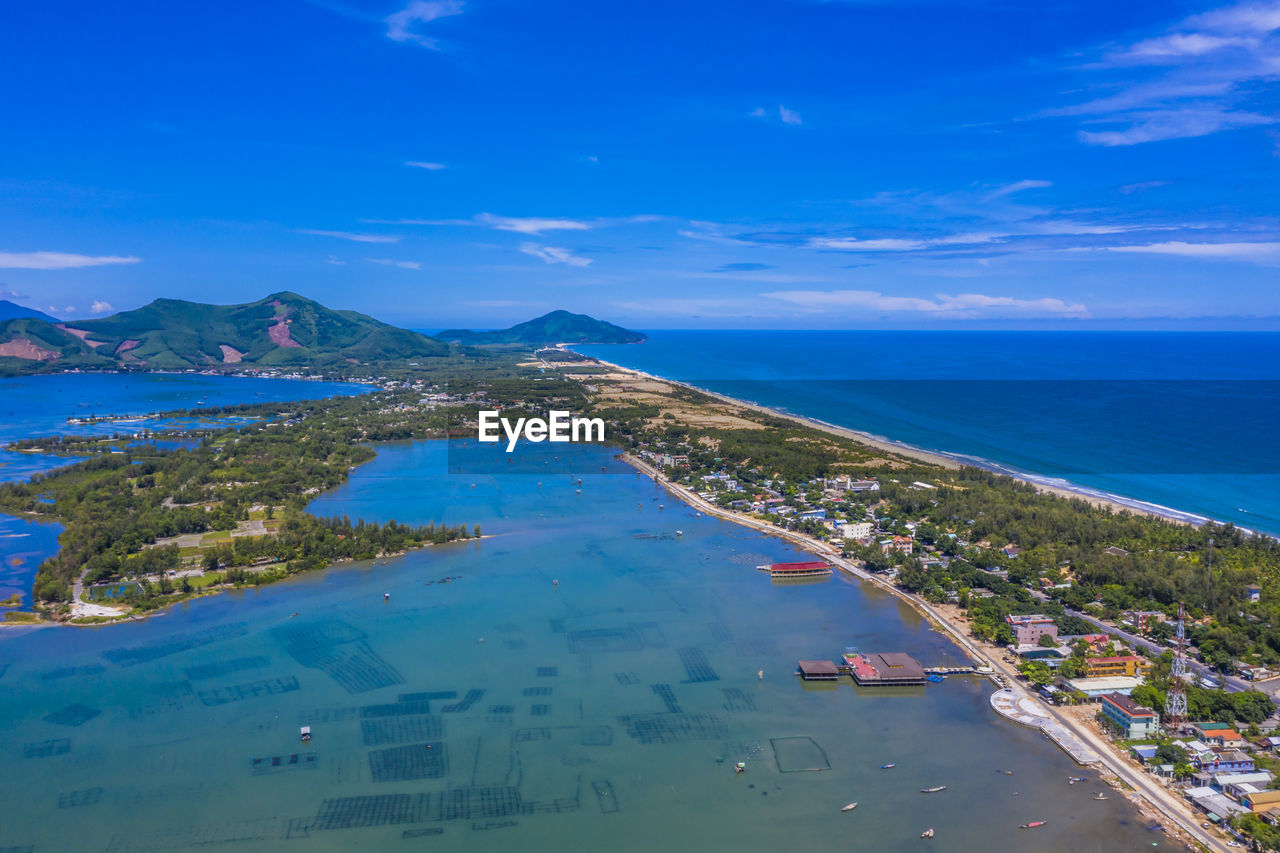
point(1071, 780)
point(1098, 795)
point(305, 733)
point(740, 767)
point(928, 833)
point(933, 790)
point(1031, 825)
point(887, 766)
point(849, 807)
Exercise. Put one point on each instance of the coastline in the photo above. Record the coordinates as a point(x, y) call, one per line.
point(1145, 794)
point(1043, 484)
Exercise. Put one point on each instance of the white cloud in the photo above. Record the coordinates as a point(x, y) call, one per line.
point(1209, 70)
point(1160, 125)
point(888, 244)
point(554, 255)
point(785, 115)
point(1017, 187)
point(100, 306)
point(965, 305)
point(390, 262)
point(1178, 46)
point(530, 225)
point(425, 164)
point(1259, 251)
point(1142, 186)
point(402, 25)
point(1246, 17)
point(347, 235)
point(58, 260)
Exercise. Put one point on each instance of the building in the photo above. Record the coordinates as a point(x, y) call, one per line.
point(1096, 688)
point(1262, 801)
point(1226, 761)
point(1231, 783)
point(797, 571)
point(1029, 628)
point(1253, 592)
point(1130, 666)
point(1218, 734)
point(896, 545)
point(818, 670)
point(1053, 656)
point(857, 530)
point(1127, 717)
point(1144, 619)
point(885, 669)
point(1215, 805)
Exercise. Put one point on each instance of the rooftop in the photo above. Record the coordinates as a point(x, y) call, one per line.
point(1130, 707)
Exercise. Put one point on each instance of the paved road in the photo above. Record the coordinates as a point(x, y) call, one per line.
point(1230, 683)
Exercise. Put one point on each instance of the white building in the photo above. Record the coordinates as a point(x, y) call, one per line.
point(856, 530)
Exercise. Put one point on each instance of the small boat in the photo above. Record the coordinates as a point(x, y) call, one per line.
point(928, 833)
point(849, 807)
point(887, 766)
point(1031, 825)
point(1098, 795)
point(1071, 780)
point(933, 790)
point(305, 733)
point(740, 767)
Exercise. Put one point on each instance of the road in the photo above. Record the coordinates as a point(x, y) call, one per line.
point(1230, 683)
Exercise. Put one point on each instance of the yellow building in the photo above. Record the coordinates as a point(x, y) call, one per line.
point(1123, 666)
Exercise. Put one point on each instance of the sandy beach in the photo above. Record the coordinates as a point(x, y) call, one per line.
point(1044, 485)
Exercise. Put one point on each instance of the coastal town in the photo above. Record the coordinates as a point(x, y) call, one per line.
point(1092, 676)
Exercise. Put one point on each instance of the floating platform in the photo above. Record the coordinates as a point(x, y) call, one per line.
point(797, 571)
point(884, 669)
point(818, 670)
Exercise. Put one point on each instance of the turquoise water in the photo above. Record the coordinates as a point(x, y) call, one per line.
point(33, 406)
point(602, 712)
point(1181, 420)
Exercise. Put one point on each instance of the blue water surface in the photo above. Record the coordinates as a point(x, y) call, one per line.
point(1182, 420)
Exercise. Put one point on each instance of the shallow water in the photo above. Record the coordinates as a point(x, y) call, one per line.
point(602, 712)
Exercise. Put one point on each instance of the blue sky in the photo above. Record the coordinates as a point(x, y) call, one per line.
point(788, 164)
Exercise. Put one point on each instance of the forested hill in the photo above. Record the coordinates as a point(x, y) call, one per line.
point(283, 330)
point(558, 327)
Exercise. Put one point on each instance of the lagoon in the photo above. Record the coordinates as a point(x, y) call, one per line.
point(585, 677)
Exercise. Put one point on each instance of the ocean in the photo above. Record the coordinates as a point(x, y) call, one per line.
point(586, 678)
point(1182, 422)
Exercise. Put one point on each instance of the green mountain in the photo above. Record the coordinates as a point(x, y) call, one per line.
point(12, 310)
point(283, 330)
point(558, 327)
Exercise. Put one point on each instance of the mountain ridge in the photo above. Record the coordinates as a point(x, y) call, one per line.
point(555, 327)
point(279, 331)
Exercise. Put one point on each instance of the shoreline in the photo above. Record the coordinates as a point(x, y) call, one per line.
point(1144, 792)
point(1044, 484)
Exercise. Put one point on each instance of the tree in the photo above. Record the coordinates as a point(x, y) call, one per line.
point(1048, 642)
point(1037, 672)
